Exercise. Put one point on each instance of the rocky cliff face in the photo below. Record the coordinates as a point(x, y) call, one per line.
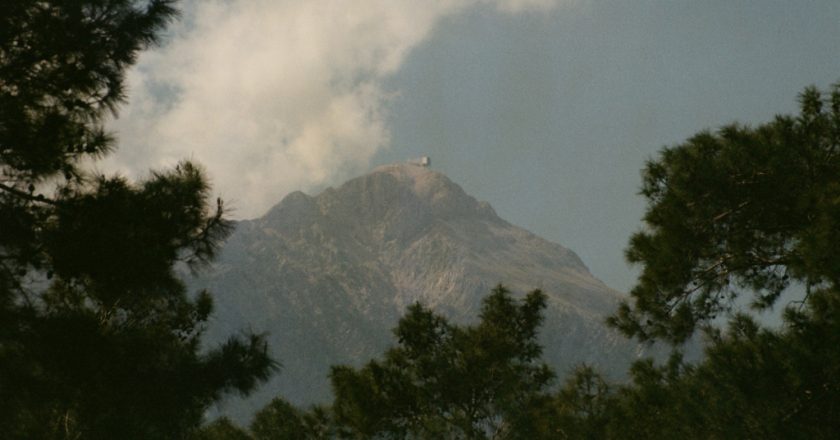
point(329, 276)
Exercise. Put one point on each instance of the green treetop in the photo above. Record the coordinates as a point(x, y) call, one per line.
point(447, 381)
point(740, 211)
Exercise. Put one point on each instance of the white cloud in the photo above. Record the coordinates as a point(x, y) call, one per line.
point(272, 95)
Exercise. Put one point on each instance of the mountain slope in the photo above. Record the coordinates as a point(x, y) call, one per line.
point(329, 276)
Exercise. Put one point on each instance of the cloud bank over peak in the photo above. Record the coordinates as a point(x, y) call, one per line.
point(273, 96)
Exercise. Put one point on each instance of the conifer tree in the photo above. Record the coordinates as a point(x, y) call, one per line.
point(743, 211)
point(448, 381)
point(98, 336)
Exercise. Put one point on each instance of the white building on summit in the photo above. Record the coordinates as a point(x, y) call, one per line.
point(424, 161)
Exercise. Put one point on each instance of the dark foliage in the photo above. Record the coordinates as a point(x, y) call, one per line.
point(753, 383)
point(221, 429)
point(447, 381)
point(744, 210)
point(741, 210)
point(98, 336)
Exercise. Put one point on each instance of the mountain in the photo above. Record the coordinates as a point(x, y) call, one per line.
point(329, 276)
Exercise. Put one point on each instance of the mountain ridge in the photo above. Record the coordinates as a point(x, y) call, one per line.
point(329, 275)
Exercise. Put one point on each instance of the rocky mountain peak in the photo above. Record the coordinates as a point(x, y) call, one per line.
point(427, 184)
point(393, 202)
point(328, 276)
point(407, 187)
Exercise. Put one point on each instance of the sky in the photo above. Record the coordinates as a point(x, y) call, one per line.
point(547, 109)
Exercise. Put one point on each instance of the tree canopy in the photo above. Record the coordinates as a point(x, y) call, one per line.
point(744, 210)
point(98, 336)
point(449, 381)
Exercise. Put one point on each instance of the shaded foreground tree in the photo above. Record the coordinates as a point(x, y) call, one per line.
point(221, 429)
point(98, 336)
point(741, 211)
point(754, 383)
point(280, 420)
point(448, 381)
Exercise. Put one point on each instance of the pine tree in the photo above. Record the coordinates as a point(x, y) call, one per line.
point(448, 381)
point(98, 336)
point(744, 211)
point(279, 420)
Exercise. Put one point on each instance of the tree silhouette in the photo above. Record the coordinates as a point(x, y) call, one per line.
point(741, 211)
point(98, 336)
point(448, 381)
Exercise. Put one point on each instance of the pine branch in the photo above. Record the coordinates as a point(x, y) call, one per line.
point(27, 196)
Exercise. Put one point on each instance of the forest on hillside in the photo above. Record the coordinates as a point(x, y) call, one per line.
point(100, 339)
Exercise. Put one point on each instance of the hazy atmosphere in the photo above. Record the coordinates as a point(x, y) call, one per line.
point(323, 219)
point(547, 109)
